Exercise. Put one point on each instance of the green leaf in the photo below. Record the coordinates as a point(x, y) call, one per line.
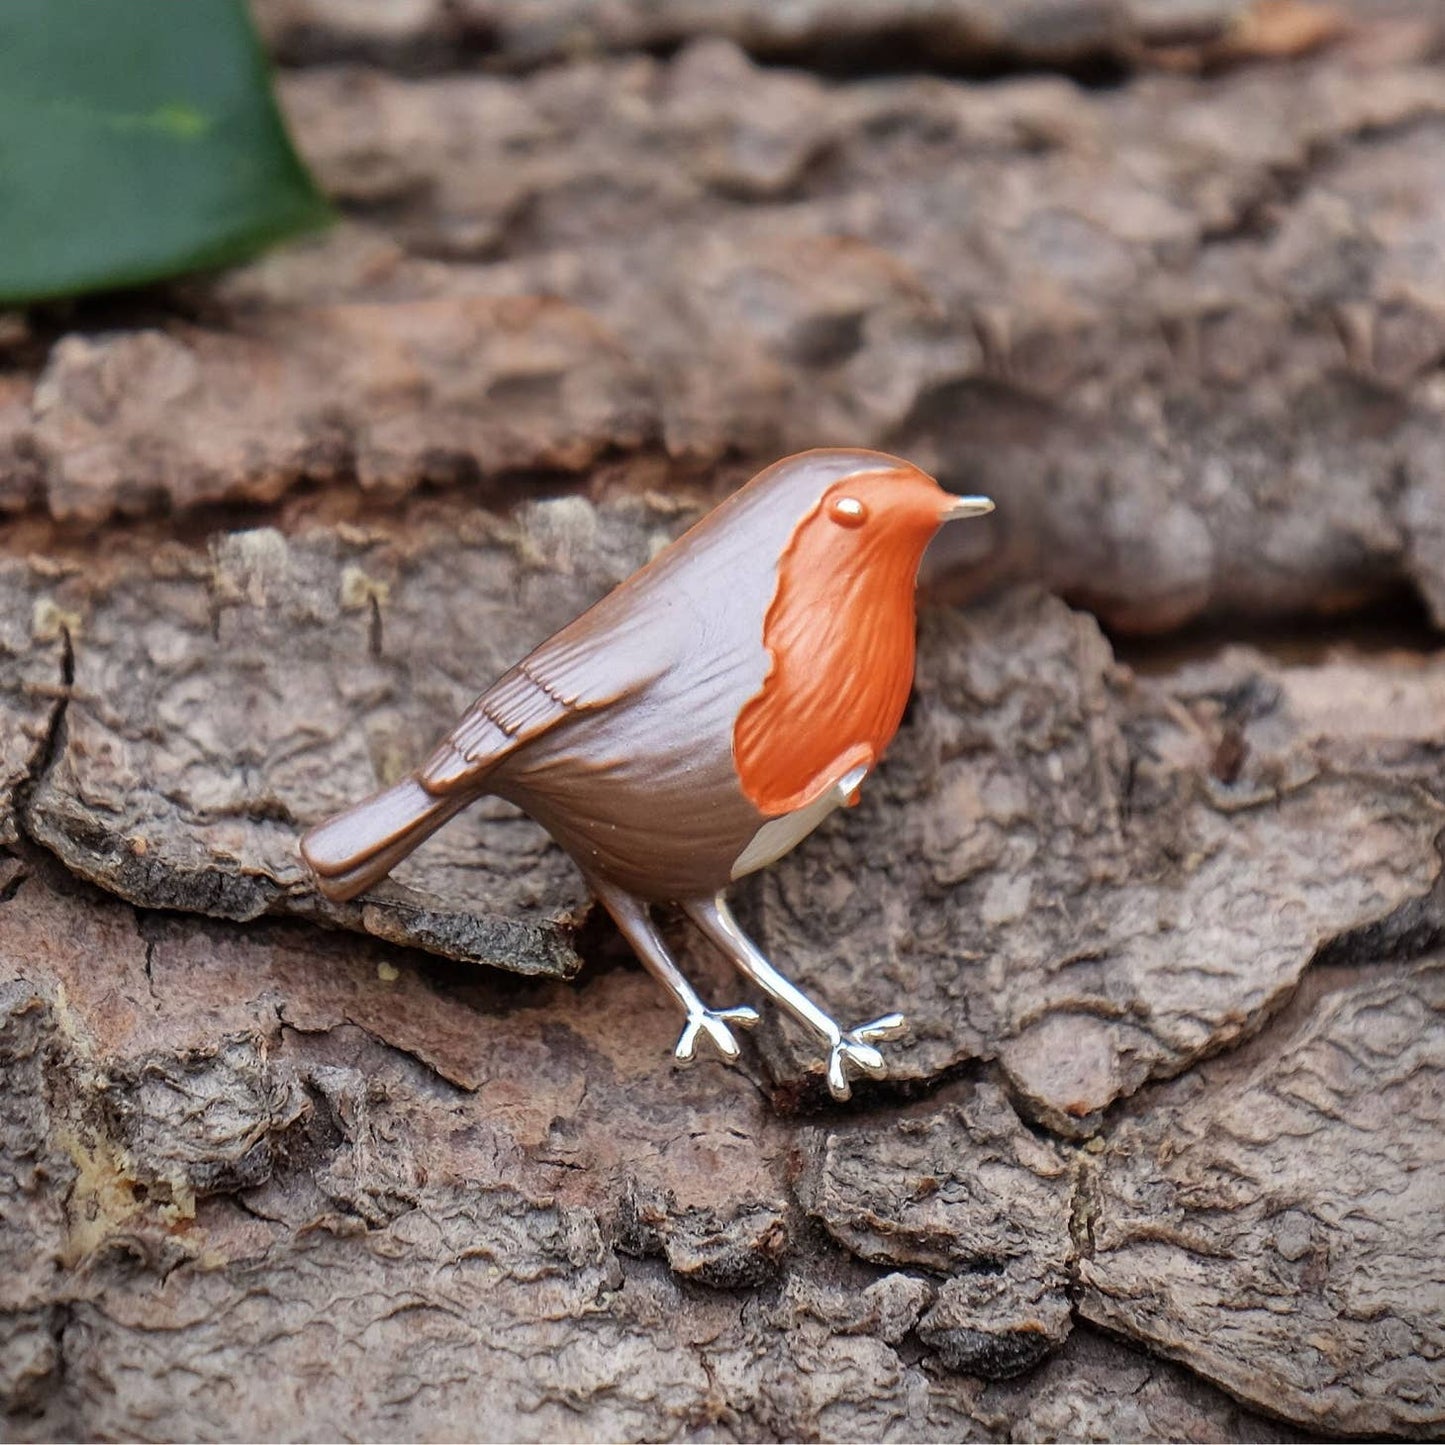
point(138, 139)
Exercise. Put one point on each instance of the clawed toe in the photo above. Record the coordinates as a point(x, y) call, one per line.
point(890, 1026)
point(855, 1049)
point(713, 1023)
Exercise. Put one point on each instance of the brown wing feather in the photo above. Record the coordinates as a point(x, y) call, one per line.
point(610, 653)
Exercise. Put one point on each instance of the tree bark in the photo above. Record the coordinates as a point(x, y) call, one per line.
point(1161, 1156)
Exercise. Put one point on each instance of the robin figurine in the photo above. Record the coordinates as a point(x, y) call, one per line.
point(698, 722)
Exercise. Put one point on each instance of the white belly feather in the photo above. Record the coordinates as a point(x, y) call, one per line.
point(781, 835)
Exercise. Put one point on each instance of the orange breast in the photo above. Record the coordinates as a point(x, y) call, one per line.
point(839, 633)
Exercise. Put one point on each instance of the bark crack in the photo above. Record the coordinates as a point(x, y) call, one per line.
point(53, 742)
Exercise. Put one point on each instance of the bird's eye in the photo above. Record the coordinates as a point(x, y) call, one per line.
point(848, 512)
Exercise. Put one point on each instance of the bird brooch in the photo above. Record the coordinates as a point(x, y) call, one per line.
point(699, 722)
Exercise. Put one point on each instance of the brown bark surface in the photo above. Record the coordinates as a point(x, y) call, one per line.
point(1187, 330)
point(1210, 1223)
point(1162, 1154)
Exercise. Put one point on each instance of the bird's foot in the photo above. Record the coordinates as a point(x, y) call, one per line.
point(855, 1050)
point(714, 1024)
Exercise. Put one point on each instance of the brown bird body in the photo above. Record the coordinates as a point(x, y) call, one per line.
point(698, 721)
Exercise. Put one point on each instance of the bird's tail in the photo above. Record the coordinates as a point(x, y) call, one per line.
point(353, 850)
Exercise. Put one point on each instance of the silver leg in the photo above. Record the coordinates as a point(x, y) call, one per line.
point(631, 916)
point(854, 1048)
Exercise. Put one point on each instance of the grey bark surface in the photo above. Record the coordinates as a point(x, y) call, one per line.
point(1055, 874)
point(214, 1111)
point(224, 699)
point(1187, 331)
point(1197, 1241)
point(32, 685)
point(426, 34)
point(1162, 1155)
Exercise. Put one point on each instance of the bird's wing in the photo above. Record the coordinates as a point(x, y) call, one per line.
point(702, 598)
point(595, 662)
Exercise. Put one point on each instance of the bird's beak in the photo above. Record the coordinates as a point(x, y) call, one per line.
point(960, 507)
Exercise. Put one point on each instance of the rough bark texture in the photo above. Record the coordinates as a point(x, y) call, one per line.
point(131, 420)
point(1187, 331)
point(32, 683)
point(1325, 1298)
point(213, 1110)
point(1097, 878)
point(1161, 1156)
point(426, 33)
point(224, 699)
